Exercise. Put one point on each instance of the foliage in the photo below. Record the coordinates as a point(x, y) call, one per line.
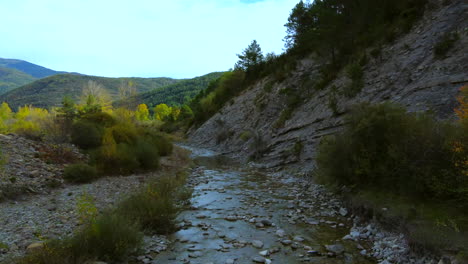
point(462, 109)
point(445, 44)
point(86, 134)
point(80, 173)
point(162, 112)
point(110, 237)
point(250, 57)
point(142, 112)
point(153, 207)
point(29, 121)
point(87, 210)
point(355, 73)
point(245, 135)
point(220, 91)
point(383, 147)
point(173, 94)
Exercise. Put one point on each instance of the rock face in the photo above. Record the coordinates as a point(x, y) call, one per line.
point(406, 72)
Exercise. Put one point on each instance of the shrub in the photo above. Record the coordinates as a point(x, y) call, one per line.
point(147, 155)
point(245, 135)
point(120, 161)
point(355, 73)
point(124, 133)
point(80, 173)
point(385, 148)
point(86, 135)
point(445, 44)
point(153, 207)
point(110, 238)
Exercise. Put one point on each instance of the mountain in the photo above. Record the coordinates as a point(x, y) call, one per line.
point(49, 91)
point(12, 78)
point(172, 94)
point(31, 69)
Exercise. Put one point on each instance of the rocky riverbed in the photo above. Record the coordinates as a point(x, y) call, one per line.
point(239, 215)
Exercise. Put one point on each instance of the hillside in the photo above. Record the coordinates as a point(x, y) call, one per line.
point(173, 94)
point(11, 78)
point(31, 69)
point(406, 72)
point(49, 91)
point(279, 123)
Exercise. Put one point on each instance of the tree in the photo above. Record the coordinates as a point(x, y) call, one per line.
point(142, 112)
point(5, 116)
point(95, 98)
point(297, 24)
point(162, 111)
point(250, 57)
point(127, 93)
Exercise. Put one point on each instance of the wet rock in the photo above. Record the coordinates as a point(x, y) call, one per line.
point(258, 259)
point(286, 242)
point(264, 253)
point(343, 211)
point(266, 222)
point(336, 249)
point(230, 261)
point(280, 233)
point(231, 218)
point(298, 239)
point(257, 244)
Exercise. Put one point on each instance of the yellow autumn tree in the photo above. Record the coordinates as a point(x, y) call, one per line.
point(29, 121)
point(5, 117)
point(142, 112)
point(162, 111)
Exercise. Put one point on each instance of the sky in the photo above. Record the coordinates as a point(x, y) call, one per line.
point(140, 38)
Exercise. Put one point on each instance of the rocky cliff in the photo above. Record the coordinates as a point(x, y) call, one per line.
point(406, 71)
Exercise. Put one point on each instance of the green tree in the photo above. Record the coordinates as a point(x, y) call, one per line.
point(162, 111)
point(142, 112)
point(250, 57)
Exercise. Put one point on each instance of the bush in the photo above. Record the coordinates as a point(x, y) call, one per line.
point(110, 238)
point(80, 173)
point(445, 44)
point(121, 161)
point(385, 148)
point(153, 207)
point(86, 135)
point(147, 155)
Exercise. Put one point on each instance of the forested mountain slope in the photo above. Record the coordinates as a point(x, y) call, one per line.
point(49, 92)
point(172, 94)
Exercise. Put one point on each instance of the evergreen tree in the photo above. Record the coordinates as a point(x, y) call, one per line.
point(250, 57)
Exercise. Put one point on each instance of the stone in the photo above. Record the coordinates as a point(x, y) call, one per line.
point(230, 261)
point(280, 233)
point(286, 242)
point(231, 218)
point(257, 244)
point(336, 249)
point(34, 247)
point(298, 239)
point(264, 253)
point(266, 222)
point(343, 211)
point(258, 259)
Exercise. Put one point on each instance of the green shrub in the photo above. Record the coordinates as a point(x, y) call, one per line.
point(355, 73)
point(100, 118)
point(80, 173)
point(122, 161)
point(147, 155)
point(153, 207)
point(110, 237)
point(86, 135)
point(124, 133)
point(245, 135)
point(385, 148)
point(445, 44)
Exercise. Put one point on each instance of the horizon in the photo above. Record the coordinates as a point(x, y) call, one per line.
point(147, 39)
